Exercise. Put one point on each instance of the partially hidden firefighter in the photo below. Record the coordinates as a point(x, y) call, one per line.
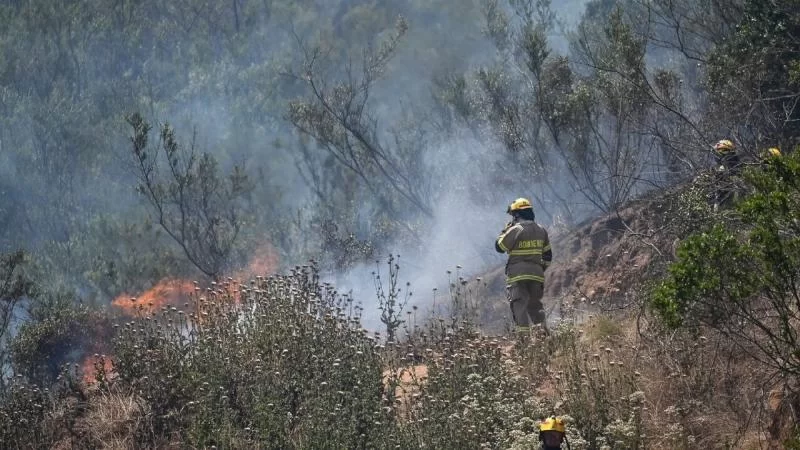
point(725, 155)
point(728, 166)
point(771, 154)
point(553, 434)
point(528, 247)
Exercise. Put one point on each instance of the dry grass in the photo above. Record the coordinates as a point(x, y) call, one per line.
point(700, 393)
point(408, 382)
point(112, 419)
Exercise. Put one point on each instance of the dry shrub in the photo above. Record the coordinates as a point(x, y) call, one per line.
point(624, 384)
point(406, 383)
point(474, 395)
point(113, 418)
point(598, 386)
point(693, 391)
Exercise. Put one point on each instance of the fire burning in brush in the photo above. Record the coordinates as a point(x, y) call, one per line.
point(92, 367)
point(264, 262)
point(175, 292)
point(166, 292)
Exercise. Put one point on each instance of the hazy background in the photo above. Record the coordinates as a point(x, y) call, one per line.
point(224, 77)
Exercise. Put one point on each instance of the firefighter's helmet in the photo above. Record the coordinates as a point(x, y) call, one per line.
point(552, 423)
point(724, 146)
point(519, 204)
point(773, 152)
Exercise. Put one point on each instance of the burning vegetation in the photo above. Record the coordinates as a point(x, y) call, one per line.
point(96, 368)
point(190, 297)
point(164, 293)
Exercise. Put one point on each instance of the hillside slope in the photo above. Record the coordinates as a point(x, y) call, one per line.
point(605, 261)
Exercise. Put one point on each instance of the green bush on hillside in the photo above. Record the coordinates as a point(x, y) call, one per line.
point(740, 277)
point(282, 360)
point(58, 331)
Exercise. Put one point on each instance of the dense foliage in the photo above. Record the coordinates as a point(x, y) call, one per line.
point(347, 129)
point(740, 276)
point(283, 362)
point(327, 109)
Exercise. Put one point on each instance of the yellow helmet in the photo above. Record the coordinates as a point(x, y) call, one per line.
point(552, 423)
point(724, 146)
point(519, 204)
point(773, 152)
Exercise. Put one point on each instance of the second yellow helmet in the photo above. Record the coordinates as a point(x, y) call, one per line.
point(724, 146)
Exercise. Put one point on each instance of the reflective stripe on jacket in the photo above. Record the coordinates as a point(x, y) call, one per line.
point(528, 248)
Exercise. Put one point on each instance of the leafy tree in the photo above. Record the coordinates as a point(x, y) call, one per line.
point(197, 207)
point(604, 116)
point(503, 103)
point(754, 76)
point(338, 117)
point(741, 278)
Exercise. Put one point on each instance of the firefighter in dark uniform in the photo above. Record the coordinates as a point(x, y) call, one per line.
point(728, 165)
point(528, 247)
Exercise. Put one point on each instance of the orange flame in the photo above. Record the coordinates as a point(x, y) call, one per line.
point(165, 292)
point(91, 365)
point(264, 262)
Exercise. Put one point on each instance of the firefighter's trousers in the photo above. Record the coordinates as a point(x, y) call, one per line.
point(525, 298)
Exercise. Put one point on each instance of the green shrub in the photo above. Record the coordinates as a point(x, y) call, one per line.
point(59, 331)
point(33, 417)
point(283, 362)
point(286, 364)
point(22, 409)
point(740, 277)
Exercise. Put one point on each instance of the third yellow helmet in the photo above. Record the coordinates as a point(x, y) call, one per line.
point(773, 151)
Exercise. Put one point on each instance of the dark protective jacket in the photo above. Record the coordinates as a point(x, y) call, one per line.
point(729, 160)
point(528, 248)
